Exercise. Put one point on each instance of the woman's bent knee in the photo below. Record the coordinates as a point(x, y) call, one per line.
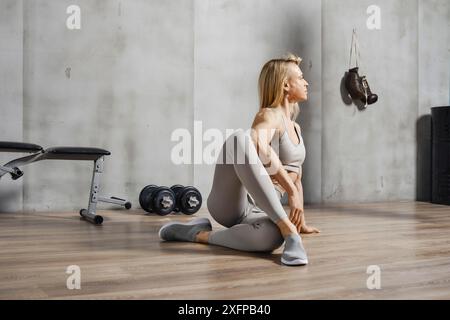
point(267, 236)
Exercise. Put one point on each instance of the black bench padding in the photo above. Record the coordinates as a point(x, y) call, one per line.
point(75, 153)
point(8, 146)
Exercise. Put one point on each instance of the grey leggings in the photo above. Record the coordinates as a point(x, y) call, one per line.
point(244, 199)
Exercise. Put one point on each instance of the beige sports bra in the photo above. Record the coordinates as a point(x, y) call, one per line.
point(291, 155)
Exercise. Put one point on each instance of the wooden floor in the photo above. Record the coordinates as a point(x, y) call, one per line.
point(124, 259)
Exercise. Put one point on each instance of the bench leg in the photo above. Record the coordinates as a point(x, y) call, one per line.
point(90, 214)
point(114, 200)
point(15, 172)
point(4, 170)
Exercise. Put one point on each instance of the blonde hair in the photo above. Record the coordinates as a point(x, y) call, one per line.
point(271, 81)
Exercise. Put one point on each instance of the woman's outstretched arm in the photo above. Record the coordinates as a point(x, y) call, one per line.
point(301, 226)
point(263, 130)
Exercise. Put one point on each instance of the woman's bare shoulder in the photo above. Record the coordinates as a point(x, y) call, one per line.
point(269, 116)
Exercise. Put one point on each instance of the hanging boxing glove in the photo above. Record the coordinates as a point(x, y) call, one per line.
point(356, 85)
point(369, 96)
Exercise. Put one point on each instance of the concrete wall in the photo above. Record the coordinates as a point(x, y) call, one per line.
point(433, 82)
point(233, 40)
point(369, 154)
point(122, 82)
point(138, 70)
point(11, 128)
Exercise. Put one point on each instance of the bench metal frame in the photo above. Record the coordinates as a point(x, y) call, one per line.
point(89, 214)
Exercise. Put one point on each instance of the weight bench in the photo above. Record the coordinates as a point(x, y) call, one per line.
point(63, 153)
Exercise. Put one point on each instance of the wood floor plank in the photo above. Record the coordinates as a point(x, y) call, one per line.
point(124, 258)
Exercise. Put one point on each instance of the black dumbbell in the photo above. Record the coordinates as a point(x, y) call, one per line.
point(187, 199)
point(160, 200)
